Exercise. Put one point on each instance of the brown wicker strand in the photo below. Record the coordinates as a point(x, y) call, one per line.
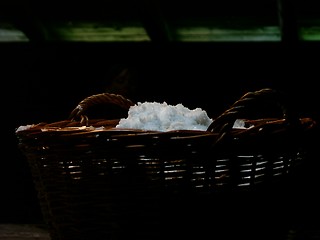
point(224, 123)
point(102, 98)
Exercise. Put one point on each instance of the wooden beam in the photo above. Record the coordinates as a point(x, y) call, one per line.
point(288, 21)
point(154, 22)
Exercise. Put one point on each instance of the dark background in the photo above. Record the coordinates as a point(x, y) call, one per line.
point(44, 82)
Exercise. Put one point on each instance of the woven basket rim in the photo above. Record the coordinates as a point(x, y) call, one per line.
point(99, 126)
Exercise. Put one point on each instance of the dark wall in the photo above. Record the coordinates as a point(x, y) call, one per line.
point(45, 82)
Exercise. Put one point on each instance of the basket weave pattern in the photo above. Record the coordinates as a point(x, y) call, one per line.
point(96, 180)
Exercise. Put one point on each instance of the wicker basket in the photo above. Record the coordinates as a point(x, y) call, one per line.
point(96, 181)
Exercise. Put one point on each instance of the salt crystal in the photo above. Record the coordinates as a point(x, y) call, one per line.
point(164, 117)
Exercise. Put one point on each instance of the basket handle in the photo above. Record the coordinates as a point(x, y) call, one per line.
point(223, 124)
point(101, 98)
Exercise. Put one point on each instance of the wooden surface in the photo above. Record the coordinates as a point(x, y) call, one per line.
point(23, 232)
point(39, 232)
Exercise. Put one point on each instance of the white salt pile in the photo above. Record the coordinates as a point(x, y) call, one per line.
point(24, 127)
point(164, 117)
